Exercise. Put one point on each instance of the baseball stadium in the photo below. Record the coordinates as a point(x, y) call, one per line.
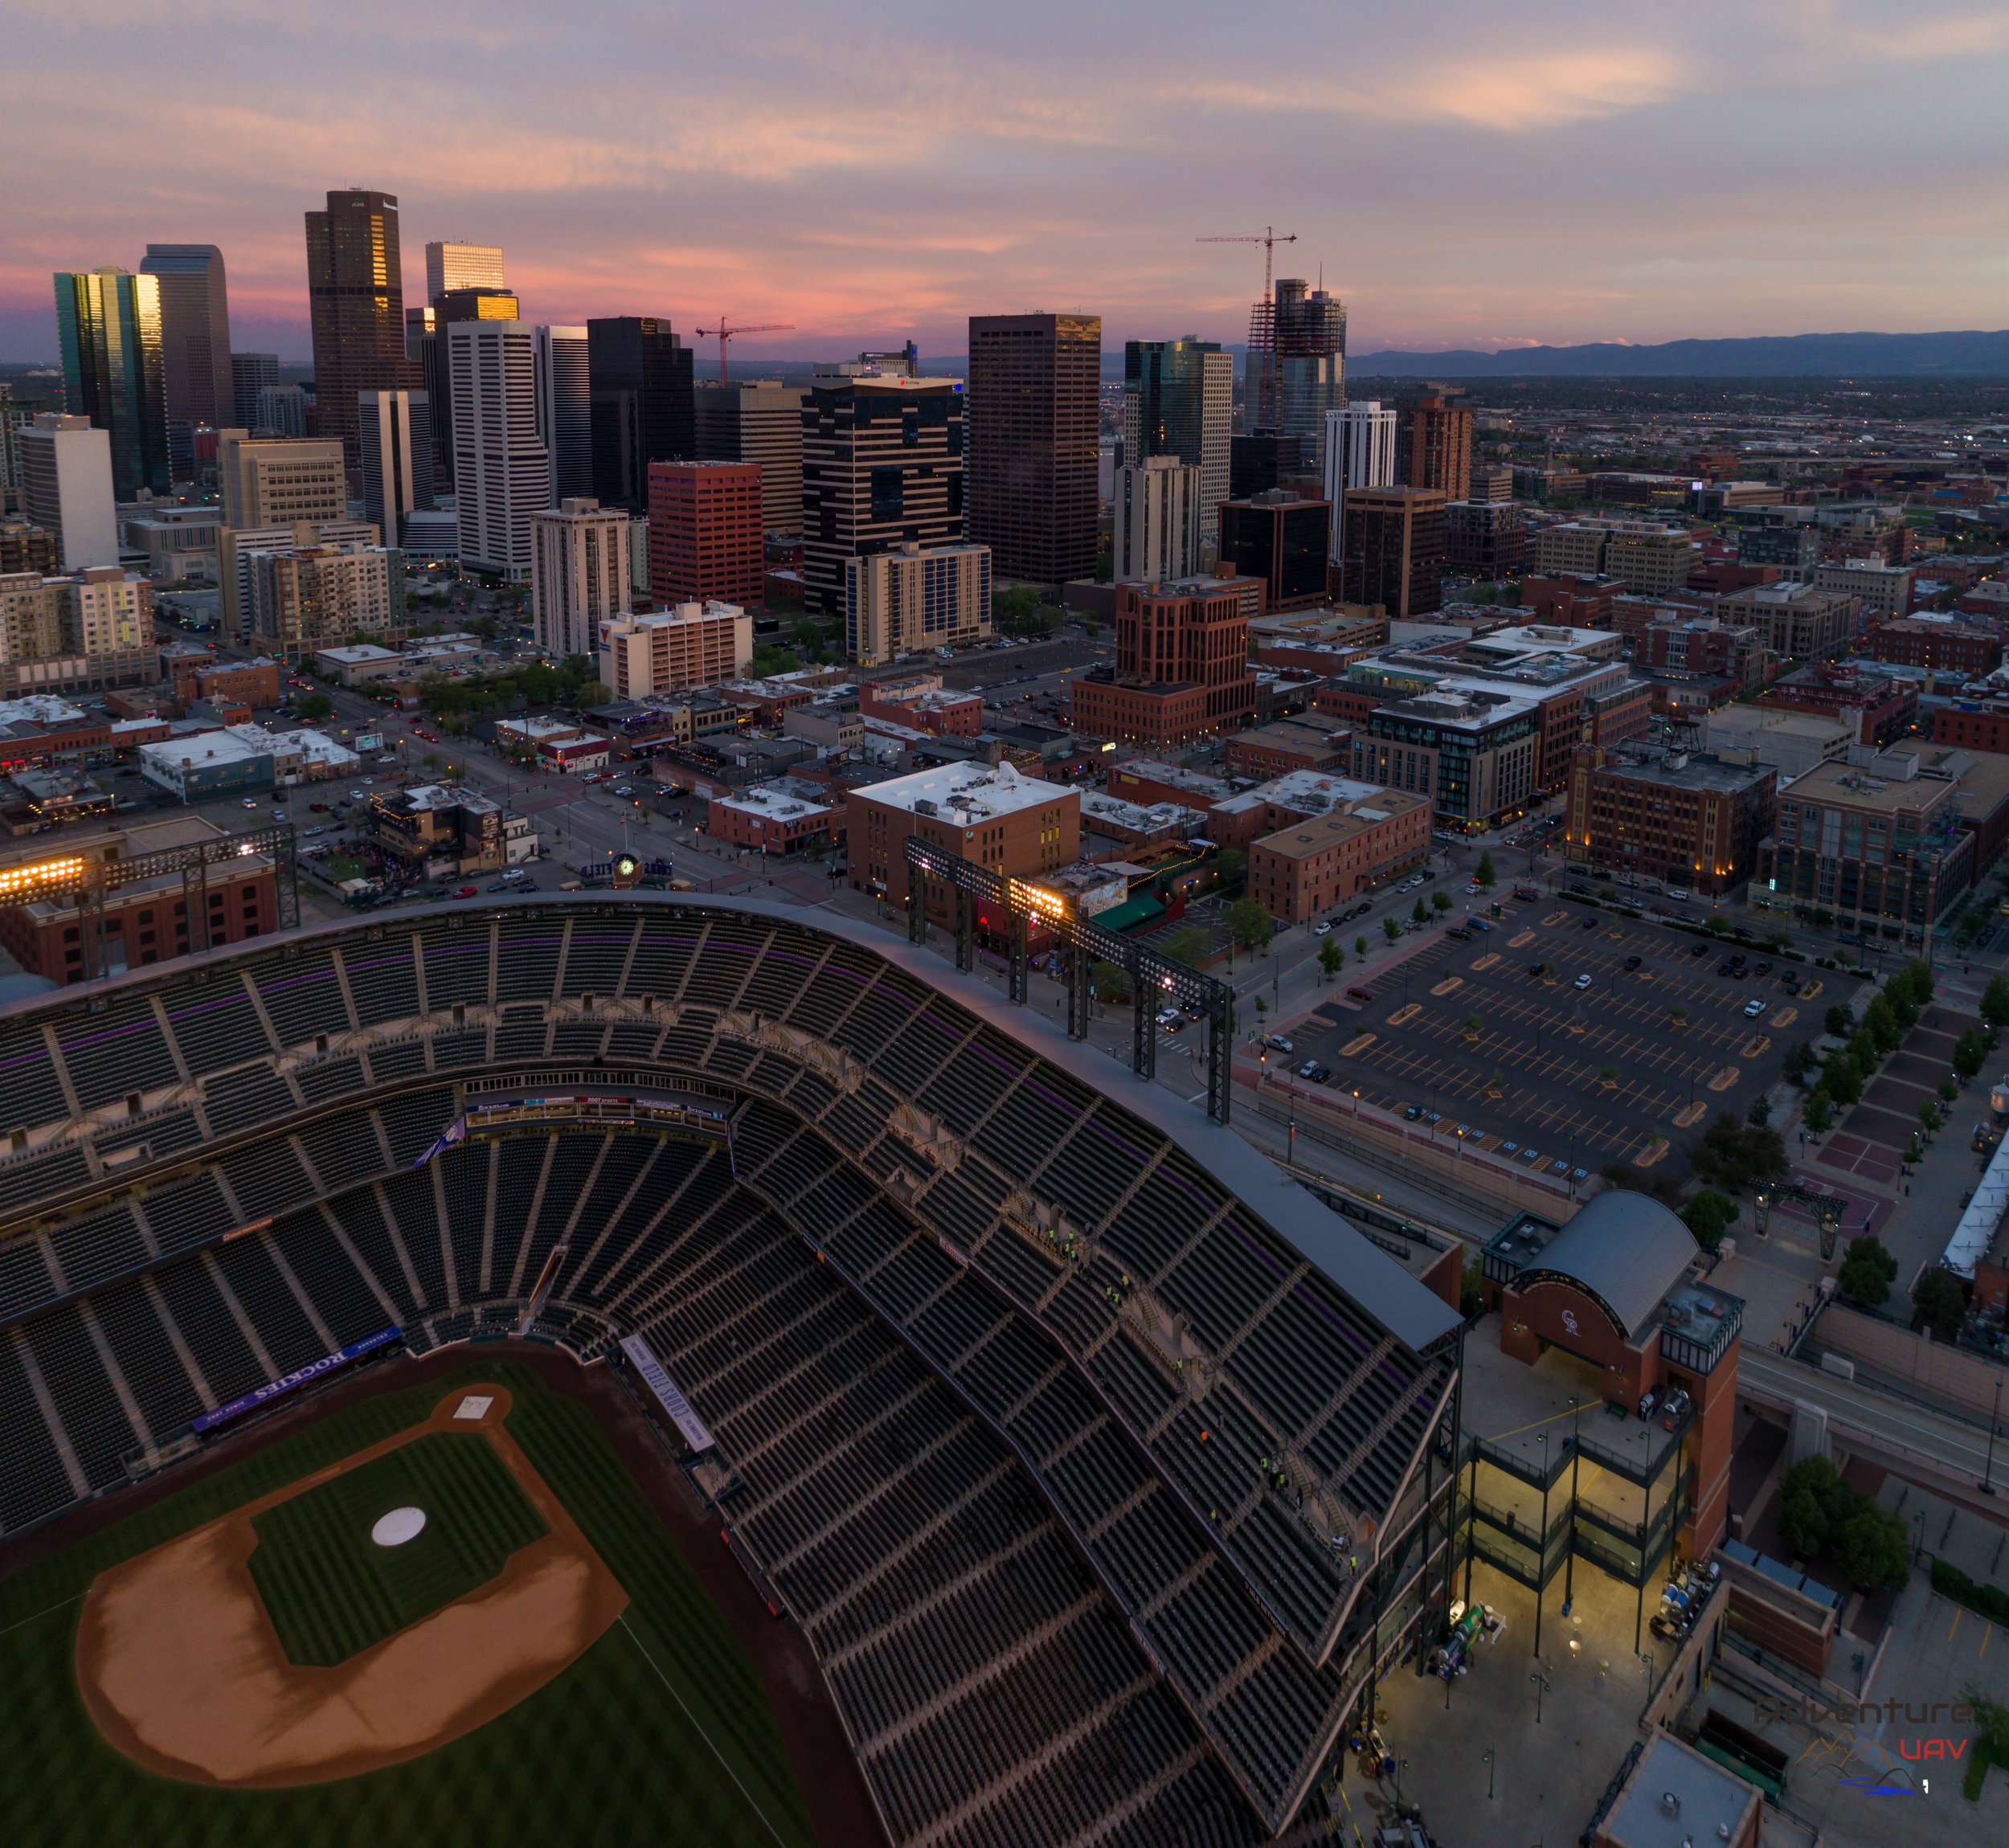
point(620, 1365)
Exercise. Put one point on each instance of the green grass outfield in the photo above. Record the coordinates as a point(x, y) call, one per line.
point(331, 1591)
point(660, 1732)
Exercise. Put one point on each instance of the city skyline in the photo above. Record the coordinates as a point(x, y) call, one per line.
point(1475, 180)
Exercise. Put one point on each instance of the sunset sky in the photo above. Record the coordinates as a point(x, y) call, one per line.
point(1467, 175)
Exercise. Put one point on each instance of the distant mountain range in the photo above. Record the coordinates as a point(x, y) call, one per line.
point(1792, 356)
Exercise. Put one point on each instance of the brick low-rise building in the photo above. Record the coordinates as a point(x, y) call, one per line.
point(1277, 750)
point(1323, 860)
point(1973, 725)
point(146, 922)
point(1669, 818)
point(1889, 703)
point(1019, 827)
point(786, 815)
point(1943, 647)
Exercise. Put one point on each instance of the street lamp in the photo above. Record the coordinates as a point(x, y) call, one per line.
point(1987, 1478)
point(1541, 1687)
point(1491, 1753)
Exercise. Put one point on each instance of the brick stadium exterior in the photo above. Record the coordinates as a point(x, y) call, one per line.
point(932, 1405)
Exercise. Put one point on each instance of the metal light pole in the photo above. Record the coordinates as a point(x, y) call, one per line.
point(1569, 1555)
point(1541, 1687)
point(1541, 1543)
point(1493, 1752)
point(1987, 1478)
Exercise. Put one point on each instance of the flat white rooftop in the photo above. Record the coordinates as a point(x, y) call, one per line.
point(966, 793)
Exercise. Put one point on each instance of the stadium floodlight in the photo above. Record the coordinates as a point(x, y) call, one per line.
point(44, 876)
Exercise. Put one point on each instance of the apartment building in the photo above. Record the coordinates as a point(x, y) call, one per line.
point(275, 480)
point(1884, 591)
point(1942, 646)
point(1182, 671)
point(904, 599)
point(1323, 860)
point(579, 574)
point(1642, 556)
point(317, 597)
point(1474, 754)
point(705, 532)
point(1796, 622)
point(659, 651)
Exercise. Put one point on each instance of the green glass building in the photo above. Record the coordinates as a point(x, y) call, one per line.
point(108, 325)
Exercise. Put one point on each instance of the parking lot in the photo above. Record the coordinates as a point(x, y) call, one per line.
point(1565, 1037)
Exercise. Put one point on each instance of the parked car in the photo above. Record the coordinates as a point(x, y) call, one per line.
point(1306, 1069)
point(1580, 981)
point(1277, 1042)
point(1413, 1113)
point(500, 886)
point(1458, 934)
point(465, 891)
point(1754, 1008)
point(1633, 963)
point(1478, 924)
point(1593, 924)
point(1322, 929)
point(1320, 1073)
point(1678, 893)
point(1360, 994)
point(1699, 950)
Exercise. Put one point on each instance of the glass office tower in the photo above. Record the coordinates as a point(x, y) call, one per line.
point(108, 328)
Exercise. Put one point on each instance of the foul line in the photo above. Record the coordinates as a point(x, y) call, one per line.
point(38, 1616)
point(702, 1733)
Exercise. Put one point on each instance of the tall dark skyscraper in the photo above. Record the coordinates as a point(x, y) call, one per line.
point(1179, 400)
point(194, 331)
point(250, 373)
point(355, 293)
point(107, 326)
point(1033, 416)
point(1289, 387)
point(642, 411)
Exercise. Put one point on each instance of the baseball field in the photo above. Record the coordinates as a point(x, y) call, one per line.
point(443, 1614)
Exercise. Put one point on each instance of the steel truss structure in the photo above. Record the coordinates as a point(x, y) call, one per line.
point(1155, 981)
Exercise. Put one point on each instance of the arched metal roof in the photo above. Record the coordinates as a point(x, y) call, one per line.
point(1624, 1250)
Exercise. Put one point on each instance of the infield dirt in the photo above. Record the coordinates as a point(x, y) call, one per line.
point(183, 1671)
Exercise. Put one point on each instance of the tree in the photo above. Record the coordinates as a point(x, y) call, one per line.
point(1916, 976)
point(1881, 1023)
point(1714, 925)
point(1420, 912)
point(1485, 875)
point(314, 705)
point(1249, 924)
point(1970, 1053)
point(1759, 1115)
point(1731, 1154)
point(1929, 1116)
point(1863, 1056)
point(1994, 1002)
point(1798, 1061)
point(1838, 1079)
point(1608, 1074)
point(1778, 942)
point(1872, 1548)
point(1473, 1026)
point(1441, 900)
point(1948, 1090)
point(1708, 1215)
point(1471, 1292)
point(1360, 945)
point(1838, 1022)
point(1390, 929)
point(1230, 864)
point(1677, 1014)
point(1867, 1272)
point(1190, 947)
point(1813, 1501)
point(1937, 1301)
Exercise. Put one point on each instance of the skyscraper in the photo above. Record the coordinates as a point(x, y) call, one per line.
point(452, 266)
point(396, 432)
point(1179, 400)
point(565, 410)
point(1157, 524)
point(705, 533)
point(759, 421)
point(1440, 446)
point(425, 346)
point(65, 487)
point(1311, 362)
point(195, 356)
point(881, 467)
point(1033, 417)
point(107, 326)
point(1359, 452)
point(578, 574)
point(502, 473)
point(1395, 549)
point(250, 373)
point(355, 294)
point(642, 408)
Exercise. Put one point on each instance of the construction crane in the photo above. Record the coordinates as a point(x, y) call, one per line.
point(1267, 238)
point(725, 332)
point(1262, 325)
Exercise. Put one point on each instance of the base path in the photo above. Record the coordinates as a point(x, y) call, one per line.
point(182, 1670)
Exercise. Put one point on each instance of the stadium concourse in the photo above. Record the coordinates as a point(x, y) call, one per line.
point(1100, 1467)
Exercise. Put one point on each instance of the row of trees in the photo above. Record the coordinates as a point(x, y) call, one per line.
point(1821, 1517)
point(1849, 1067)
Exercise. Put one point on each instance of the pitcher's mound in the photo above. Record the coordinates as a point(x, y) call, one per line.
point(398, 1525)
